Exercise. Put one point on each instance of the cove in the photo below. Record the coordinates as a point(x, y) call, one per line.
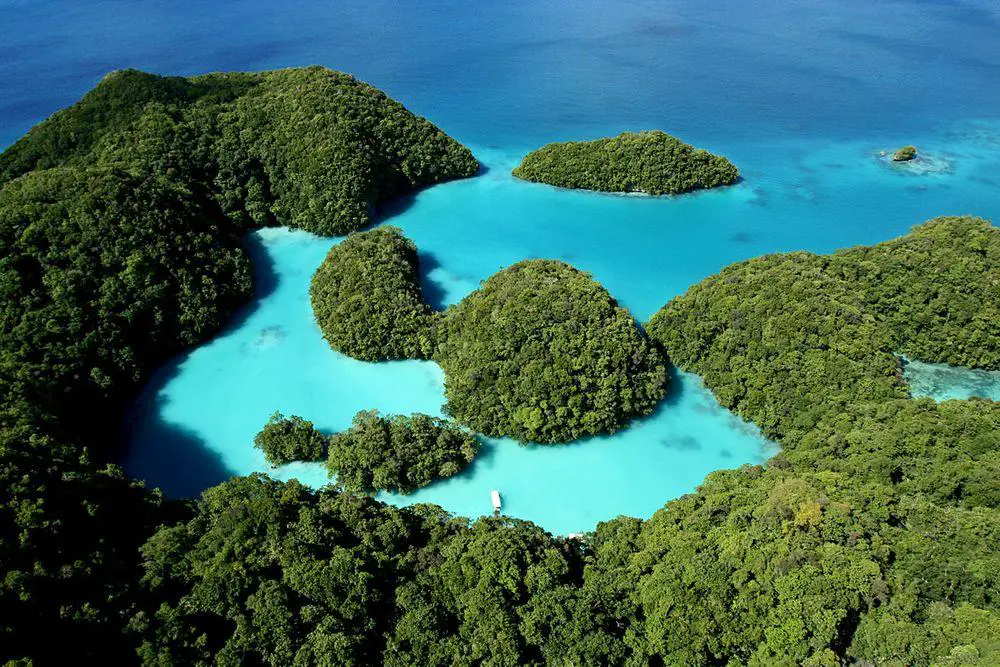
point(195, 423)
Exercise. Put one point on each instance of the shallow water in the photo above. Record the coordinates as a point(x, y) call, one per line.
point(803, 97)
point(196, 422)
point(943, 382)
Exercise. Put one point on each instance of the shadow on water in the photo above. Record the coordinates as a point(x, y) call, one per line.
point(434, 294)
point(181, 462)
point(397, 206)
point(673, 395)
point(265, 278)
point(184, 464)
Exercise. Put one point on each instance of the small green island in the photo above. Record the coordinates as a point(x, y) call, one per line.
point(398, 454)
point(540, 353)
point(905, 154)
point(652, 163)
point(543, 353)
point(367, 298)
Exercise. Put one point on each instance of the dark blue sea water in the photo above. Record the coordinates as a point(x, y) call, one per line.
point(802, 96)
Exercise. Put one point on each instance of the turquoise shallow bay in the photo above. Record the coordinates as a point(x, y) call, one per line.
point(803, 97)
point(209, 405)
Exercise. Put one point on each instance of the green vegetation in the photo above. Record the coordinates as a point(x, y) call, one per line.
point(367, 297)
point(309, 148)
point(871, 539)
point(119, 247)
point(904, 154)
point(103, 275)
point(398, 454)
point(541, 352)
point(788, 340)
point(651, 162)
point(934, 290)
point(286, 439)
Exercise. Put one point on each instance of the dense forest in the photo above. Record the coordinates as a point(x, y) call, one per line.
point(308, 147)
point(286, 439)
point(653, 163)
point(120, 220)
point(539, 353)
point(871, 539)
point(398, 453)
point(367, 298)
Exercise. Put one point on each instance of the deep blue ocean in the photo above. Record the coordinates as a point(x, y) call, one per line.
point(803, 97)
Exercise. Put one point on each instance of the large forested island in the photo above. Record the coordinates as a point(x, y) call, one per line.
point(311, 148)
point(652, 163)
point(871, 539)
point(540, 353)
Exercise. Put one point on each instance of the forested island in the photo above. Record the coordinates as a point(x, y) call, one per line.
point(652, 163)
point(398, 453)
point(871, 539)
point(312, 148)
point(367, 298)
point(540, 353)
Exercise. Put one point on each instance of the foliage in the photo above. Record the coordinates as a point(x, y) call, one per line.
point(398, 454)
point(541, 352)
point(309, 147)
point(367, 298)
point(947, 452)
point(781, 342)
point(103, 275)
point(935, 290)
point(904, 154)
point(118, 249)
point(950, 636)
point(284, 440)
point(270, 573)
point(786, 340)
point(871, 538)
point(651, 162)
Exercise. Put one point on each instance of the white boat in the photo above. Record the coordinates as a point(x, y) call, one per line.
point(495, 499)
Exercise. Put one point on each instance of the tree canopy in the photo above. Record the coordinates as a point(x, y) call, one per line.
point(786, 340)
point(541, 352)
point(367, 298)
point(308, 147)
point(286, 439)
point(652, 162)
point(119, 247)
point(399, 453)
point(871, 538)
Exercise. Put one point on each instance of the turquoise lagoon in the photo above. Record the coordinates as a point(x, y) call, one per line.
point(195, 424)
point(804, 97)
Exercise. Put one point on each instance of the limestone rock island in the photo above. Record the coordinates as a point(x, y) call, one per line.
point(653, 163)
